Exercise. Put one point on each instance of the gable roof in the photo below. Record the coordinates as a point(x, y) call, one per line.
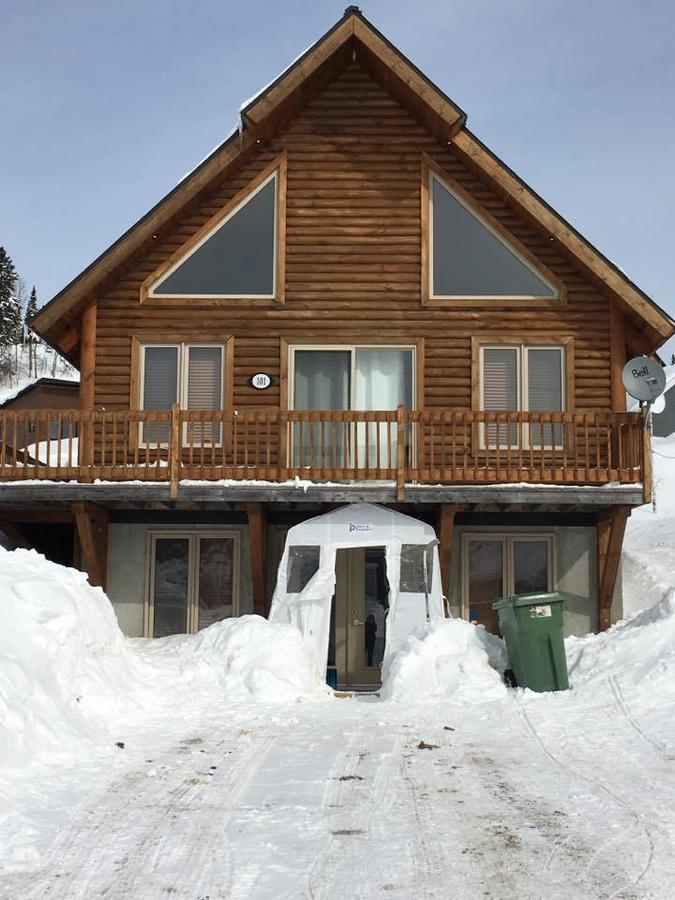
point(351, 38)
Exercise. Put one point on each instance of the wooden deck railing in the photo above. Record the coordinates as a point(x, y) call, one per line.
point(405, 446)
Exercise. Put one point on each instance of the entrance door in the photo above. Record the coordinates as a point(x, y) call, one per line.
point(360, 607)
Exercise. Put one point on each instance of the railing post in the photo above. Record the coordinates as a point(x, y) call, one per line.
point(282, 461)
point(86, 445)
point(174, 450)
point(647, 477)
point(400, 452)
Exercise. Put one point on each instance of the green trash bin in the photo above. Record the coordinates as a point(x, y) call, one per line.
point(531, 625)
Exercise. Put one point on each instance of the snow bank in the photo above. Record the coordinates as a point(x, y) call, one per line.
point(640, 649)
point(69, 678)
point(445, 659)
point(243, 659)
point(648, 563)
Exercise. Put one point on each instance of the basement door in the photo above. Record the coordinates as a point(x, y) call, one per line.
point(359, 618)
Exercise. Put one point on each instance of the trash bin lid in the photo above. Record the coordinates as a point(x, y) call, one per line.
point(501, 602)
point(537, 598)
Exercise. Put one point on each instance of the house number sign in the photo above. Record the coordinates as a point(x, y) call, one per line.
point(260, 381)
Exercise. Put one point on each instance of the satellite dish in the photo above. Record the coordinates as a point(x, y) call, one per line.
point(644, 379)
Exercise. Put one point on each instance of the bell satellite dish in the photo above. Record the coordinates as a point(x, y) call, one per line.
point(644, 379)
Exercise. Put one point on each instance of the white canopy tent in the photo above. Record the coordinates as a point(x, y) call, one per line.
point(306, 577)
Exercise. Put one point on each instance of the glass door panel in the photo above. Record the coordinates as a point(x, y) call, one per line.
point(215, 582)
point(171, 576)
point(321, 380)
point(383, 380)
point(485, 581)
point(530, 566)
point(376, 608)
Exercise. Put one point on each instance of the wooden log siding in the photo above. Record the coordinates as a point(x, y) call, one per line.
point(353, 263)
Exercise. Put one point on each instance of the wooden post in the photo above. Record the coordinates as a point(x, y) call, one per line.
point(611, 526)
point(647, 464)
point(446, 530)
point(175, 443)
point(257, 530)
point(91, 531)
point(400, 453)
point(87, 384)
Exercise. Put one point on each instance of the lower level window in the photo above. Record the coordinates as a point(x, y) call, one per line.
point(194, 580)
point(497, 565)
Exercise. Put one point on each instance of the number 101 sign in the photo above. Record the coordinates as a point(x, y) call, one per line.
point(260, 381)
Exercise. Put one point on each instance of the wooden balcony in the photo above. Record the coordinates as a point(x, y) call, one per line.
point(406, 447)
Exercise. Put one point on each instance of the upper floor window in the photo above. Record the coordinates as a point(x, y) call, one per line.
point(190, 374)
point(235, 255)
point(470, 259)
point(523, 378)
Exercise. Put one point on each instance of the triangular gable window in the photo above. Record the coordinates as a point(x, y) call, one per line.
point(235, 257)
point(470, 259)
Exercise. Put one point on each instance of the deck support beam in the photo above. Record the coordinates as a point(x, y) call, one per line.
point(91, 538)
point(257, 529)
point(446, 531)
point(611, 526)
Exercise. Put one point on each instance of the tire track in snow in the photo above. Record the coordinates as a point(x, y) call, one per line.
point(659, 746)
point(362, 816)
point(345, 765)
point(170, 821)
point(208, 836)
point(434, 859)
point(597, 787)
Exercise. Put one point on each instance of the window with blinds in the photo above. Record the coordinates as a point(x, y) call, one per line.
point(527, 378)
point(191, 374)
point(204, 390)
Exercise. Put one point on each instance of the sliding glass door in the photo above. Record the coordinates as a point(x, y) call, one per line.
point(349, 378)
point(495, 565)
point(193, 581)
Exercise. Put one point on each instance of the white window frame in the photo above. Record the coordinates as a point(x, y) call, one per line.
point(183, 348)
point(233, 212)
point(193, 538)
point(523, 389)
point(507, 540)
point(493, 231)
point(351, 348)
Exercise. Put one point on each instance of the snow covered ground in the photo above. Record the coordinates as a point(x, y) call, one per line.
point(214, 767)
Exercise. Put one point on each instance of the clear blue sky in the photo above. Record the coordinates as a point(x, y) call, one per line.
point(105, 105)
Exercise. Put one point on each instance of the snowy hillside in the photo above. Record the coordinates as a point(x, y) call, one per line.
point(28, 363)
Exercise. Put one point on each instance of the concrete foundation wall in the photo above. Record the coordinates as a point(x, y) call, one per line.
point(127, 569)
point(574, 570)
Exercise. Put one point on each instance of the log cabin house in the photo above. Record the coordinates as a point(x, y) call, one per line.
point(352, 299)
